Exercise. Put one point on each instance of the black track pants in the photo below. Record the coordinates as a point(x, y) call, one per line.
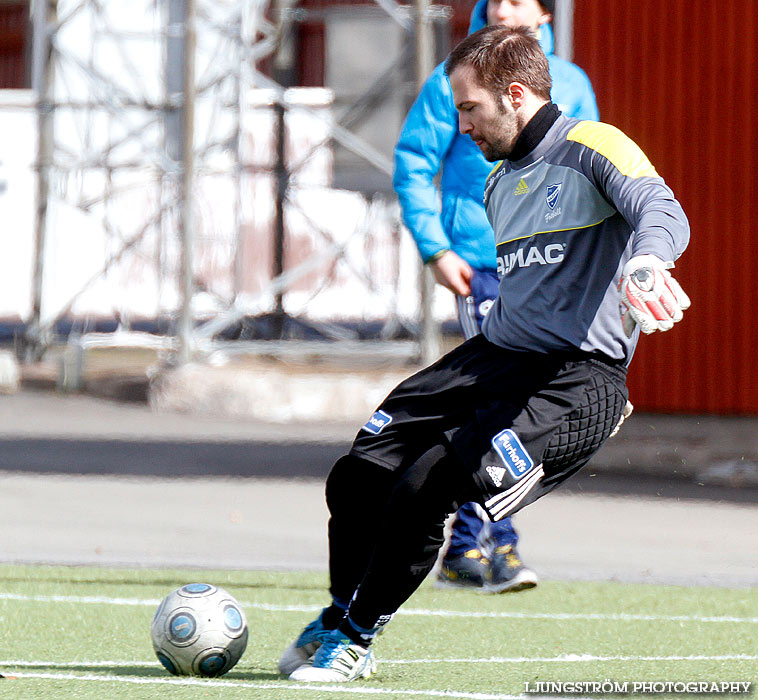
point(386, 528)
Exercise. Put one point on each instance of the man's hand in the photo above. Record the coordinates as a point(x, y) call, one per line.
point(650, 296)
point(452, 271)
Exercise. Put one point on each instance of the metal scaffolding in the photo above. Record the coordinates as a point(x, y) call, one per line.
point(136, 137)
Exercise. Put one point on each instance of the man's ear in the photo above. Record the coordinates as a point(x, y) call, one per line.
point(544, 18)
point(515, 94)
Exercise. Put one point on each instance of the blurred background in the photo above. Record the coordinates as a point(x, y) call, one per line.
point(186, 174)
point(197, 217)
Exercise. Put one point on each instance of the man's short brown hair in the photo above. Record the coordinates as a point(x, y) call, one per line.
point(501, 56)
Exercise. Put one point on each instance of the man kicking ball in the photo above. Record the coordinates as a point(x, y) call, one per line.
point(586, 232)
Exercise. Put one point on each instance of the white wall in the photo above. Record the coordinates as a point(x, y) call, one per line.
point(18, 146)
point(94, 212)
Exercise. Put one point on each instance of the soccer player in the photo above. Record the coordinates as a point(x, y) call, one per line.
point(457, 244)
point(586, 233)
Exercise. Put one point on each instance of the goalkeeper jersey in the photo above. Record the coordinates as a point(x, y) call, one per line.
point(567, 217)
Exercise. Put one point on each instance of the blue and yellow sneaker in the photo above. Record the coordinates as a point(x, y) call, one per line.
point(337, 660)
point(304, 647)
point(507, 573)
point(467, 570)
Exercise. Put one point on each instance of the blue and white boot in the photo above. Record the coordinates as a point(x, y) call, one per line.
point(303, 648)
point(337, 660)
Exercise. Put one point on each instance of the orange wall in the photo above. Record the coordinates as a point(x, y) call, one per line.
point(680, 78)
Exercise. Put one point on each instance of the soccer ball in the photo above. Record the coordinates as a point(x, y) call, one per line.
point(199, 630)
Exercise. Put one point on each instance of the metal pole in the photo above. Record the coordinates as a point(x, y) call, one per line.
point(186, 219)
point(282, 184)
point(239, 111)
point(45, 15)
point(284, 57)
point(431, 336)
point(284, 74)
point(563, 24)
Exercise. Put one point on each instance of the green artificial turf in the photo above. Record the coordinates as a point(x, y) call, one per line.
point(81, 632)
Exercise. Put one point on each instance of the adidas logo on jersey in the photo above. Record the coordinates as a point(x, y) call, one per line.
point(496, 474)
point(521, 188)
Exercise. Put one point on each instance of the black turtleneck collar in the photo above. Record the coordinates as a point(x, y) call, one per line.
point(534, 131)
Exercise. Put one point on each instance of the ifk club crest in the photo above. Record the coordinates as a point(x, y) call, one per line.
point(553, 194)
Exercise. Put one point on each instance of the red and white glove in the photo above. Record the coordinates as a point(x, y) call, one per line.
point(650, 297)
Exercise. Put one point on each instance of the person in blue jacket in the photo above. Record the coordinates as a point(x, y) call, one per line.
point(454, 238)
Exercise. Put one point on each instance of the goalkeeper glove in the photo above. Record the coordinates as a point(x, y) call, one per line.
point(626, 413)
point(650, 296)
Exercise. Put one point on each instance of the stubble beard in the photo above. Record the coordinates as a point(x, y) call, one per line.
point(497, 150)
point(501, 146)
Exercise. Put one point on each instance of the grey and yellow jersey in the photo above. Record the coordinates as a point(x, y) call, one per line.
point(567, 217)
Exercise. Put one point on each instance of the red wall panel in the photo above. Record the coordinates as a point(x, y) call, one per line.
point(680, 79)
point(14, 21)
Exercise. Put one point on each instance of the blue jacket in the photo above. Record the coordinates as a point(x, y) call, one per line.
point(430, 141)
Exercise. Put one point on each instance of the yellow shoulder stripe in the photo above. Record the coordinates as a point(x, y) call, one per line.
point(492, 172)
point(555, 230)
point(614, 145)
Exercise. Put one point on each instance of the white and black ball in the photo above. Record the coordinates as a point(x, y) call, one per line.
point(199, 630)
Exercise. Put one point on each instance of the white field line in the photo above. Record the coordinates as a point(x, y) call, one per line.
point(560, 659)
point(17, 663)
point(415, 612)
point(102, 600)
point(284, 685)
point(623, 617)
point(571, 658)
